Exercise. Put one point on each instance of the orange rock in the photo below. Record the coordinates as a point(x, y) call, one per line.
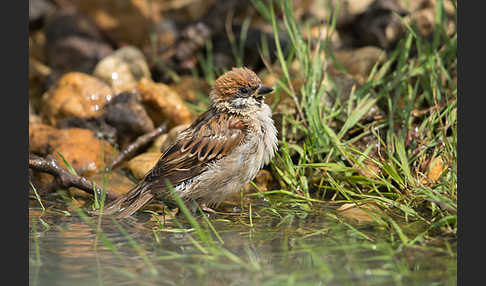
point(188, 86)
point(114, 182)
point(142, 163)
point(75, 94)
point(360, 213)
point(436, 168)
point(39, 137)
point(162, 102)
point(81, 149)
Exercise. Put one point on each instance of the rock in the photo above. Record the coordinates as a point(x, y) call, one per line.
point(359, 213)
point(73, 43)
point(141, 164)
point(264, 180)
point(127, 114)
point(340, 88)
point(373, 23)
point(379, 26)
point(435, 169)
point(163, 103)
point(349, 10)
point(165, 34)
point(123, 69)
point(164, 141)
point(33, 117)
point(79, 147)
point(75, 95)
point(324, 32)
point(126, 22)
point(188, 86)
point(113, 181)
point(37, 78)
point(97, 125)
point(38, 72)
point(424, 21)
point(359, 62)
point(189, 11)
point(38, 11)
point(39, 138)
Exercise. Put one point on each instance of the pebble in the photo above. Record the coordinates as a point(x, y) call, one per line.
point(81, 149)
point(127, 114)
point(123, 69)
point(163, 103)
point(75, 95)
point(141, 164)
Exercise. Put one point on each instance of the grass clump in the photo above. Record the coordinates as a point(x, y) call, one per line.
point(409, 171)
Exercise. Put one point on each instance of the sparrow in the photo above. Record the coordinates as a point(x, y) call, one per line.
point(219, 153)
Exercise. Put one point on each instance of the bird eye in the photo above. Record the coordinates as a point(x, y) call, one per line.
point(243, 90)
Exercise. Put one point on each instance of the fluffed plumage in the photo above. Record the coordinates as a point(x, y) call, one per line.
point(219, 153)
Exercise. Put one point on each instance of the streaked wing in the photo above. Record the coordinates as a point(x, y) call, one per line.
point(211, 137)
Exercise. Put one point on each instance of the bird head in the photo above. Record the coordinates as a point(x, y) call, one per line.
point(239, 88)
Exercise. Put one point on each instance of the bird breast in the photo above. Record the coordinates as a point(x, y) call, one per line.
point(229, 174)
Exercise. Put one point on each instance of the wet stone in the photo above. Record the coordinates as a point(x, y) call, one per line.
point(164, 141)
point(73, 43)
point(128, 116)
point(113, 181)
point(81, 149)
point(141, 164)
point(97, 125)
point(163, 103)
point(75, 95)
point(39, 138)
point(123, 69)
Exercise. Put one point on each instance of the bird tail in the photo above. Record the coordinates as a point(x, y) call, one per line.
point(127, 204)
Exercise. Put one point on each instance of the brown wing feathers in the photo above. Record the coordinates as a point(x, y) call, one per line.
point(211, 137)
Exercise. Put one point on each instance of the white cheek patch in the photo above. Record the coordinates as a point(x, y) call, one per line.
point(241, 102)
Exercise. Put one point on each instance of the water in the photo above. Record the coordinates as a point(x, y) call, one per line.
point(268, 250)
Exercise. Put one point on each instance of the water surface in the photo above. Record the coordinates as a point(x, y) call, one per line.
point(293, 249)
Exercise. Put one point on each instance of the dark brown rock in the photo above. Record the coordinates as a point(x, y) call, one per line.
point(126, 113)
point(97, 125)
point(38, 11)
point(74, 43)
point(375, 25)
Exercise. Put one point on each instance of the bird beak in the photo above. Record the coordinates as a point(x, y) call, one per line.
point(263, 89)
